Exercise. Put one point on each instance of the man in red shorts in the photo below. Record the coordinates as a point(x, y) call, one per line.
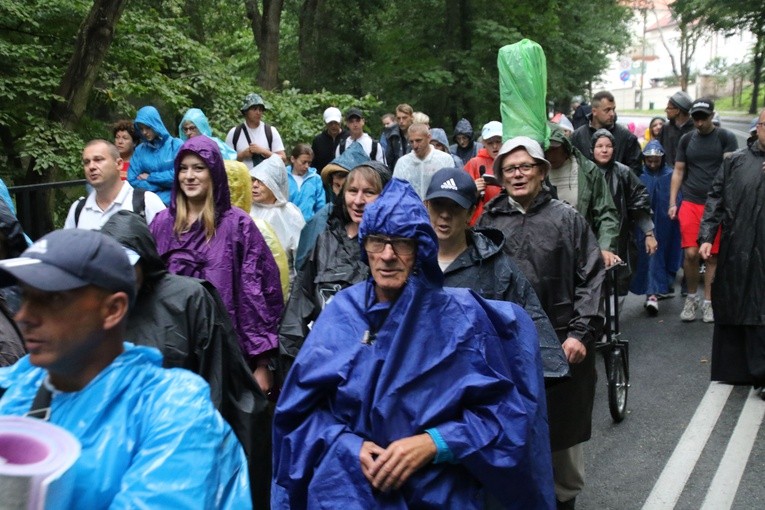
point(699, 156)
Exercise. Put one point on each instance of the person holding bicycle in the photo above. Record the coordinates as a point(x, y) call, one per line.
point(559, 254)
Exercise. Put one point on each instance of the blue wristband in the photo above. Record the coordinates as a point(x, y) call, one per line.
point(443, 453)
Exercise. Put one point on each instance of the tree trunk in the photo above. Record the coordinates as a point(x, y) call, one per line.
point(759, 56)
point(307, 42)
point(91, 46)
point(265, 29)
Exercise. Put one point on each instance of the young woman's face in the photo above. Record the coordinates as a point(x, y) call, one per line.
point(194, 178)
point(358, 193)
point(603, 151)
point(656, 128)
point(262, 194)
point(301, 163)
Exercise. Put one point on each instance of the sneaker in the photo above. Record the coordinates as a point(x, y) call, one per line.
point(708, 315)
point(689, 310)
point(652, 306)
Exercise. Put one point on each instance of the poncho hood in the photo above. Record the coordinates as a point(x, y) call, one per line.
point(558, 135)
point(149, 116)
point(655, 145)
point(207, 150)
point(463, 127)
point(601, 133)
point(399, 212)
point(273, 174)
point(239, 184)
point(199, 119)
point(131, 231)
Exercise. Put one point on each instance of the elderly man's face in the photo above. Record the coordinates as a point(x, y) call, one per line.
point(522, 176)
point(333, 128)
point(761, 129)
point(61, 329)
point(391, 261)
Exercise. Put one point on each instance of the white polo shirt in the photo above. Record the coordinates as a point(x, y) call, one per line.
point(93, 218)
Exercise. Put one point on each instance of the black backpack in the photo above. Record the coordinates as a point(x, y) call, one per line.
point(256, 158)
point(372, 153)
point(139, 205)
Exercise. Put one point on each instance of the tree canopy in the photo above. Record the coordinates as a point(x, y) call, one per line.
point(439, 56)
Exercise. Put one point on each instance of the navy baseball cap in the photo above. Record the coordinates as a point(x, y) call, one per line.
point(71, 259)
point(454, 184)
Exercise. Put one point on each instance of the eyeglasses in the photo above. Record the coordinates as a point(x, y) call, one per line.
point(189, 129)
point(400, 245)
point(525, 168)
point(760, 124)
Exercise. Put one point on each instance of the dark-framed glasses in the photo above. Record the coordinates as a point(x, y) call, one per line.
point(400, 245)
point(525, 168)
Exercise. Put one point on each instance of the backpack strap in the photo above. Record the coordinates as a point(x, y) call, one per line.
point(41, 404)
point(341, 143)
point(78, 210)
point(269, 135)
point(373, 154)
point(139, 203)
point(237, 133)
point(240, 128)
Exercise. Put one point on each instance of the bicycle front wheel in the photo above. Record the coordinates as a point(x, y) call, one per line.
point(617, 384)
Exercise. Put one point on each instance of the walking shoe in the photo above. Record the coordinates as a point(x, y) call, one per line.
point(708, 315)
point(689, 310)
point(652, 306)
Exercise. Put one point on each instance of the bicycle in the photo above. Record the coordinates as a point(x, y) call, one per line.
point(615, 351)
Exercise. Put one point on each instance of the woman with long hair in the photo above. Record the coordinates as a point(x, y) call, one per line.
point(201, 235)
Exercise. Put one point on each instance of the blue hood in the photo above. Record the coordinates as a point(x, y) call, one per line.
point(353, 156)
point(199, 119)
point(655, 144)
point(149, 116)
point(399, 212)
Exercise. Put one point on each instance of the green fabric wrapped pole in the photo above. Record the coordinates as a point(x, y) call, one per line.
point(523, 91)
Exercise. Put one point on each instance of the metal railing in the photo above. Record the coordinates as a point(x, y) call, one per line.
point(33, 207)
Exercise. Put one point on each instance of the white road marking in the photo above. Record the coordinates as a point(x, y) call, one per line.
point(722, 491)
point(678, 469)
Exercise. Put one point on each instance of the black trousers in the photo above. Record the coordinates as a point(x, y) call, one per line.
point(738, 355)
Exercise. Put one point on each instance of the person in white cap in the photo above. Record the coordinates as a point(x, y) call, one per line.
point(325, 143)
point(559, 254)
point(491, 138)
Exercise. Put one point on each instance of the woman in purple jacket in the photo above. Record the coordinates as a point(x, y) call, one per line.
point(201, 235)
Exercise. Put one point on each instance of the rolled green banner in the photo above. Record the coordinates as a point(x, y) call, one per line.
point(523, 91)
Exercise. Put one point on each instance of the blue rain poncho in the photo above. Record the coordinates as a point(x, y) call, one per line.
point(150, 436)
point(199, 119)
point(154, 157)
point(436, 358)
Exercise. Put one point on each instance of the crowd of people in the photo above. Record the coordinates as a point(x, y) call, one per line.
point(395, 322)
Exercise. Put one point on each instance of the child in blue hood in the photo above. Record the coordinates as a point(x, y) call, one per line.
point(151, 167)
point(655, 274)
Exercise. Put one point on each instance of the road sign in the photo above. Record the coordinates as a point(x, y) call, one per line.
point(624, 76)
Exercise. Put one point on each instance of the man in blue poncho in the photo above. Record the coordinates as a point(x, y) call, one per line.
point(408, 395)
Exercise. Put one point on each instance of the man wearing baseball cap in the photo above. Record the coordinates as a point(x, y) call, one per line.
point(678, 123)
point(354, 121)
point(254, 140)
point(559, 254)
point(140, 426)
point(325, 144)
point(699, 156)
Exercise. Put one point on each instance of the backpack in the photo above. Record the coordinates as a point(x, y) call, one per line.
point(139, 205)
point(372, 153)
point(238, 131)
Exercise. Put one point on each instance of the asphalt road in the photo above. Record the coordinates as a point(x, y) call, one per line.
point(665, 454)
